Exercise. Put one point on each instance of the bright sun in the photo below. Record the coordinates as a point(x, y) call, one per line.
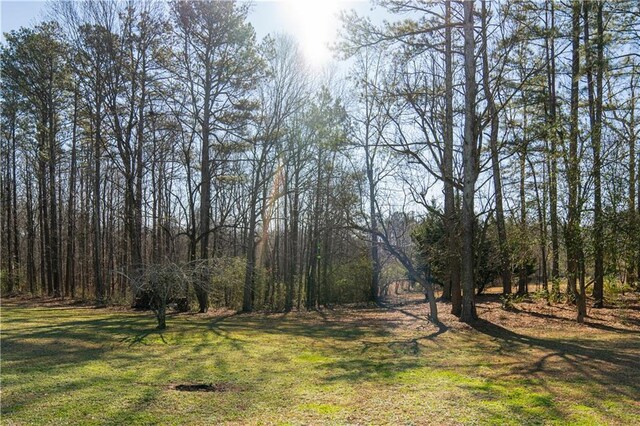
point(316, 24)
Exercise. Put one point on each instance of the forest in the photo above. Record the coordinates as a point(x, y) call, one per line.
point(159, 155)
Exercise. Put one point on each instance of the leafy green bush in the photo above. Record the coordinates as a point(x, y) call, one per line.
point(3, 280)
point(613, 287)
point(227, 281)
point(540, 295)
point(509, 301)
point(351, 281)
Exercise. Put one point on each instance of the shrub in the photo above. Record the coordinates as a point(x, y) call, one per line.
point(227, 281)
point(351, 281)
point(163, 282)
point(613, 287)
point(509, 301)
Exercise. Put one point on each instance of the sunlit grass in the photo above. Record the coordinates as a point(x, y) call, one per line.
point(87, 366)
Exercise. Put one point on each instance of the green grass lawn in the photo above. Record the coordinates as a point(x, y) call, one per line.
point(79, 365)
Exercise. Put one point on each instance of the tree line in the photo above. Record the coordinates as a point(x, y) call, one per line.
point(469, 142)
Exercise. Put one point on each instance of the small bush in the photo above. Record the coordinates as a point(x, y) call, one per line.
point(540, 295)
point(613, 287)
point(351, 281)
point(556, 295)
point(509, 301)
point(227, 281)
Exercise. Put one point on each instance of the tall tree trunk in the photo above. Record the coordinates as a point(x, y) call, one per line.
point(31, 236)
point(470, 166)
point(8, 201)
point(5, 214)
point(633, 274)
point(374, 289)
point(70, 285)
point(314, 245)
point(14, 214)
point(53, 207)
point(553, 136)
point(573, 240)
point(522, 269)
point(205, 194)
point(287, 255)
point(16, 231)
point(255, 207)
point(294, 235)
point(542, 224)
point(633, 140)
point(595, 118)
point(327, 234)
point(83, 247)
point(61, 210)
point(136, 242)
point(598, 236)
point(505, 262)
point(41, 237)
point(248, 293)
point(451, 289)
point(192, 223)
point(45, 223)
point(97, 200)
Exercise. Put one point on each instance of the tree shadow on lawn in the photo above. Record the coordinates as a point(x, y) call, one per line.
point(572, 321)
point(365, 369)
point(319, 328)
point(48, 359)
point(70, 343)
point(74, 342)
point(45, 365)
point(613, 364)
point(535, 388)
point(68, 351)
point(92, 397)
point(90, 329)
point(118, 327)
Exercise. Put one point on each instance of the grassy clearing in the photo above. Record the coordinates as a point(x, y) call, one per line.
point(78, 365)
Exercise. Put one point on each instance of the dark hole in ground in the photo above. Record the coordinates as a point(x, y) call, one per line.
point(204, 387)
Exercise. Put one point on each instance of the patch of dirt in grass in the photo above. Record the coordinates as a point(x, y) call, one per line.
point(205, 387)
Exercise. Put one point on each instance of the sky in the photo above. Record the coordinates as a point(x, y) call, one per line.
point(314, 23)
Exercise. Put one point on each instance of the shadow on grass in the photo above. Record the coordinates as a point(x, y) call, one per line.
point(139, 339)
point(364, 369)
point(612, 364)
point(321, 328)
point(572, 321)
point(69, 343)
point(441, 327)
